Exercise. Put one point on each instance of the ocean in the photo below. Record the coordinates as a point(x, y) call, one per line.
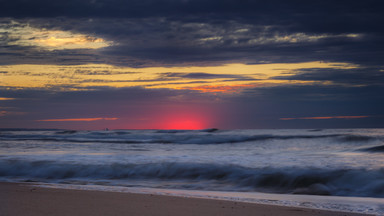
point(338, 169)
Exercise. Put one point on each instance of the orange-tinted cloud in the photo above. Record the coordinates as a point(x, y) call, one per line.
point(77, 119)
point(327, 117)
point(222, 78)
point(4, 98)
point(221, 88)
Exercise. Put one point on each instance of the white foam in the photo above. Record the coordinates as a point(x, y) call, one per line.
point(363, 205)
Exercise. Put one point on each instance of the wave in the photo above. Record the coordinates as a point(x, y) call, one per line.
point(315, 130)
point(67, 132)
point(346, 182)
point(206, 136)
point(375, 149)
point(27, 129)
point(164, 139)
point(356, 138)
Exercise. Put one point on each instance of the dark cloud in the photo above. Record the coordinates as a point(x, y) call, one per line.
point(201, 75)
point(145, 33)
point(263, 11)
point(166, 78)
point(359, 76)
point(102, 72)
point(178, 32)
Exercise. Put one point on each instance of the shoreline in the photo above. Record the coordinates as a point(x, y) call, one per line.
point(19, 199)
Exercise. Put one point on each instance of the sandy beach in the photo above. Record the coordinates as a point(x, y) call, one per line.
point(23, 199)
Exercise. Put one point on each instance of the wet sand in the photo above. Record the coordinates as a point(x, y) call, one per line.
point(27, 200)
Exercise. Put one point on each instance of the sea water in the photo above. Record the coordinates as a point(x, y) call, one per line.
point(339, 169)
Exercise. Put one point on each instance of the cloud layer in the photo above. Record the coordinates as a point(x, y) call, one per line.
point(238, 64)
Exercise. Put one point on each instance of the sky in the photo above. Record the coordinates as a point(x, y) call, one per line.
point(191, 64)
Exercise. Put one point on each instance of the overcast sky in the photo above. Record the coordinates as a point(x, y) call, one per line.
point(191, 64)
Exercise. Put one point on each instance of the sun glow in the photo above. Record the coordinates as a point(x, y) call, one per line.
point(185, 119)
point(184, 124)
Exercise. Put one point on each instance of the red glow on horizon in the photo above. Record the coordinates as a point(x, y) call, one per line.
point(184, 125)
point(185, 120)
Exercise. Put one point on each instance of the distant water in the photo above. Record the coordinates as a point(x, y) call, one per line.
point(342, 162)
